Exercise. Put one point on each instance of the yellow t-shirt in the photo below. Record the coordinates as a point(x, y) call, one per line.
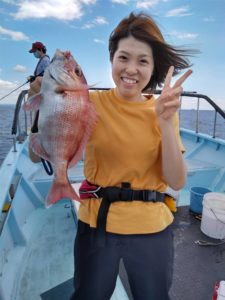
point(125, 146)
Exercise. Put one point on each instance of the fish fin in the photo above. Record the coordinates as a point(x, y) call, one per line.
point(61, 190)
point(36, 146)
point(93, 85)
point(77, 156)
point(33, 102)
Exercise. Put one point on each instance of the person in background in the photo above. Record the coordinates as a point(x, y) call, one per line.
point(39, 51)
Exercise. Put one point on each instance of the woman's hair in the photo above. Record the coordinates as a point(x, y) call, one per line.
point(142, 27)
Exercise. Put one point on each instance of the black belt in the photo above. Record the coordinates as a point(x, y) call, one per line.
point(115, 194)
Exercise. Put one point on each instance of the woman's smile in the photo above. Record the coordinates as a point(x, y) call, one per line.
point(128, 80)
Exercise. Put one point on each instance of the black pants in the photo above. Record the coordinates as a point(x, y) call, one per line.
point(148, 259)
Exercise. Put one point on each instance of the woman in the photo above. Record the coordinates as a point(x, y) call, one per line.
point(133, 155)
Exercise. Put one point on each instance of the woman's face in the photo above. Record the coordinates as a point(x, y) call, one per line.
point(132, 68)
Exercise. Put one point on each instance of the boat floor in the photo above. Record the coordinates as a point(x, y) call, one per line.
point(196, 268)
point(47, 265)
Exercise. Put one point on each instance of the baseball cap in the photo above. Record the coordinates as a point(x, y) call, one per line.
point(36, 46)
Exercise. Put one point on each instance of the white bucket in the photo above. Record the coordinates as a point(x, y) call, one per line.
point(213, 215)
point(221, 291)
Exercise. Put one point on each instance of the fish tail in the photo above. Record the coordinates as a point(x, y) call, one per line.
point(61, 190)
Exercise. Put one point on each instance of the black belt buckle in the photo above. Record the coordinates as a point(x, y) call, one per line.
point(149, 195)
point(153, 196)
point(111, 194)
point(126, 194)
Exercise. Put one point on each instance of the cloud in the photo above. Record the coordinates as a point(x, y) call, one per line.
point(97, 21)
point(4, 84)
point(147, 4)
point(121, 1)
point(9, 1)
point(184, 35)
point(58, 9)
point(14, 35)
point(99, 41)
point(179, 12)
point(88, 26)
point(7, 87)
point(20, 69)
point(209, 19)
point(100, 20)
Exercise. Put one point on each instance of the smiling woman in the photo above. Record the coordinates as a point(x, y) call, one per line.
point(134, 153)
point(132, 66)
point(164, 55)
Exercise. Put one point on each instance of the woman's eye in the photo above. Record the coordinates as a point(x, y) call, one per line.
point(143, 61)
point(122, 57)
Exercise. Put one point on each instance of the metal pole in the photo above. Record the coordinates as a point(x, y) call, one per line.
point(14, 143)
point(214, 125)
point(197, 116)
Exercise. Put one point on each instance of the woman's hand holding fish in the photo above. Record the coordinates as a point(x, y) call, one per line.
point(169, 101)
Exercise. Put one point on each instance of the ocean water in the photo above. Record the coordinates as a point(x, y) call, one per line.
point(6, 121)
point(187, 120)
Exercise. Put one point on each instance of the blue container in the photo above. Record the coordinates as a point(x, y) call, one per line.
point(197, 194)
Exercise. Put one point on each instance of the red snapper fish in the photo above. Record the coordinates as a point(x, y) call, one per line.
point(66, 120)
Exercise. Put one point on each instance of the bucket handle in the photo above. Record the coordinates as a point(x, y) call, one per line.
point(218, 219)
point(206, 243)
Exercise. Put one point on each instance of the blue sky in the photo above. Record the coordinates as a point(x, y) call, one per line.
point(83, 27)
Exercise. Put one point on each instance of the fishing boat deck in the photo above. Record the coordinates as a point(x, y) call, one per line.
point(190, 267)
point(48, 258)
point(42, 239)
point(48, 266)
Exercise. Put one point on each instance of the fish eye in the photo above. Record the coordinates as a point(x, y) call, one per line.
point(78, 71)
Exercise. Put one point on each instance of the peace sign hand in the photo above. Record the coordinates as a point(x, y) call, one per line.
point(169, 101)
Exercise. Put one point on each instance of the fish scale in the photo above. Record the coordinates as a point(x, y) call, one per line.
point(66, 120)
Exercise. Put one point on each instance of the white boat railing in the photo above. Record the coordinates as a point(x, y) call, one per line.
point(21, 125)
point(20, 131)
point(217, 110)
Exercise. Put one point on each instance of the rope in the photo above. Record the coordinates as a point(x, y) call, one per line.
point(205, 243)
point(14, 90)
point(47, 166)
